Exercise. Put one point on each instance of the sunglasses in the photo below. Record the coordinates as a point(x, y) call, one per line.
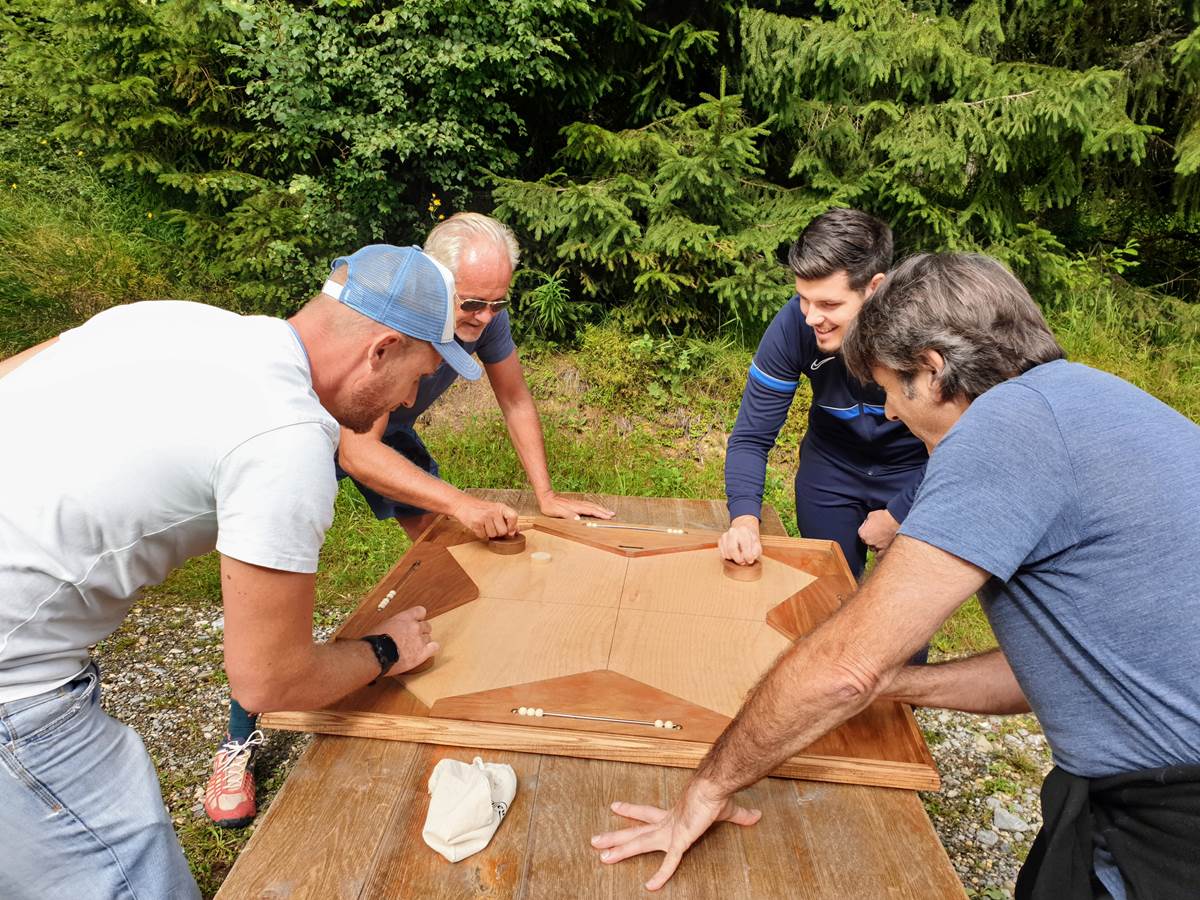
point(478, 305)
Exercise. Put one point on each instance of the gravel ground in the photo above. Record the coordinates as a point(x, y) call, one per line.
point(163, 676)
point(988, 810)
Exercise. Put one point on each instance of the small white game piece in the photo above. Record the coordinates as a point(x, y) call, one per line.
point(658, 723)
point(386, 600)
point(523, 711)
point(668, 724)
point(539, 712)
point(540, 556)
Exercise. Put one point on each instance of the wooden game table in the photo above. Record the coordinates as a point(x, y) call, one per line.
point(347, 822)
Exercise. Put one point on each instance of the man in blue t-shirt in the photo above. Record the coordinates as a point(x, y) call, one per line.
point(858, 472)
point(396, 473)
point(1065, 497)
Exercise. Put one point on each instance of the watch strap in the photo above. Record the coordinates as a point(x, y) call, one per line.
point(385, 651)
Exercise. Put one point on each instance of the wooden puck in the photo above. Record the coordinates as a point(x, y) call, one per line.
point(738, 572)
point(507, 546)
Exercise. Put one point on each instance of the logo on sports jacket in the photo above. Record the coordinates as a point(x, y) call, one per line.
point(817, 363)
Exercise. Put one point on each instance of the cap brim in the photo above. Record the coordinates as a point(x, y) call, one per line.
point(460, 360)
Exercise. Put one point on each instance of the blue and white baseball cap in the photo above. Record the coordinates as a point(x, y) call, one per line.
point(409, 292)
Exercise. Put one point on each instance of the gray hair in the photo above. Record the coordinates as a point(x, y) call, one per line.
point(449, 238)
point(967, 307)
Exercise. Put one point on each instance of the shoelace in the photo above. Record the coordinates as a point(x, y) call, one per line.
point(237, 755)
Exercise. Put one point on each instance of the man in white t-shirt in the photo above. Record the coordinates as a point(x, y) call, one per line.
point(204, 429)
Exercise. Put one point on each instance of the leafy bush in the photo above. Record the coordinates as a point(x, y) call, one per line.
point(547, 312)
point(285, 132)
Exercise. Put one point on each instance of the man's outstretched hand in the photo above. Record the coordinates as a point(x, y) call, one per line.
point(673, 830)
point(558, 507)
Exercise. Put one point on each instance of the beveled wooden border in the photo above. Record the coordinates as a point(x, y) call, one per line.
point(591, 745)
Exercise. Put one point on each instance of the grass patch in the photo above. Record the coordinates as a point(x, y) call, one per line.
point(965, 633)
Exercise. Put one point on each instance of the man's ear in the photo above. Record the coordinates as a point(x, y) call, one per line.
point(874, 283)
point(933, 362)
point(384, 347)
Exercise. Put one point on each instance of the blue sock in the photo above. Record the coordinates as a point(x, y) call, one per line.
point(241, 723)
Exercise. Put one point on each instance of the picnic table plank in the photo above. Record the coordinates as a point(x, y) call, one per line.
point(320, 833)
point(405, 867)
point(572, 805)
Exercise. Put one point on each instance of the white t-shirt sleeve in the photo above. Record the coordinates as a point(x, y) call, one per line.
point(275, 496)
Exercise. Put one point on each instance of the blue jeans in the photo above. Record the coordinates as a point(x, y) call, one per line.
point(81, 812)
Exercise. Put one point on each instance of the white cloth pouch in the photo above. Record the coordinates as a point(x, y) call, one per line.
point(466, 805)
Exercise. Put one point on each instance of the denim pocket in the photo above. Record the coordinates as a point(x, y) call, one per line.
point(40, 722)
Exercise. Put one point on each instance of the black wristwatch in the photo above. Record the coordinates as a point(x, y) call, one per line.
point(385, 651)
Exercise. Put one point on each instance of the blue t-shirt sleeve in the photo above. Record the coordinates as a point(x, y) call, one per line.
point(496, 343)
point(899, 505)
point(999, 489)
point(772, 382)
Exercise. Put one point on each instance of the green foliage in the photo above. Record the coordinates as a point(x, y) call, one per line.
point(282, 133)
point(1186, 57)
point(286, 132)
point(965, 633)
point(670, 226)
point(75, 240)
point(546, 311)
point(971, 127)
point(646, 374)
point(910, 116)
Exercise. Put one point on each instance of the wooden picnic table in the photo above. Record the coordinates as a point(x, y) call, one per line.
point(347, 822)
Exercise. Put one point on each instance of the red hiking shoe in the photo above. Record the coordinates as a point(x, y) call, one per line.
point(229, 796)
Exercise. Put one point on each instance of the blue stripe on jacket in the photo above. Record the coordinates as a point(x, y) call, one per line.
point(769, 381)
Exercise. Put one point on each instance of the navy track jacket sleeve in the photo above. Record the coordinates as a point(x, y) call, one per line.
point(770, 386)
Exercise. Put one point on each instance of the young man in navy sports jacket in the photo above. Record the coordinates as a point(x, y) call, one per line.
point(858, 472)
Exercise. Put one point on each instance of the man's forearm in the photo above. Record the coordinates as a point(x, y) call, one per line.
point(978, 684)
point(392, 475)
point(15, 361)
point(308, 678)
point(525, 431)
point(804, 696)
point(745, 477)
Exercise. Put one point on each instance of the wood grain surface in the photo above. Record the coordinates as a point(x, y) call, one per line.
point(495, 642)
point(347, 821)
